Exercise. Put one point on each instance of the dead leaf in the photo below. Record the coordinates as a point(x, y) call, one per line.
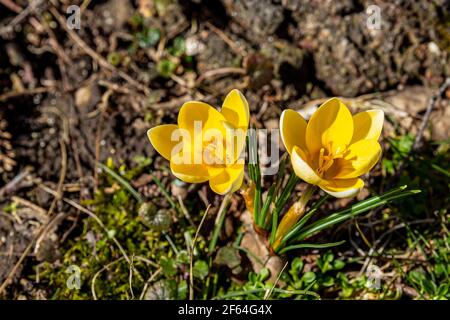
point(257, 245)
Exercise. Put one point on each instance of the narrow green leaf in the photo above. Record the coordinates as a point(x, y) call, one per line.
point(311, 246)
point(218, 226)
point(165, 193)
point(365, 203)
point(273, 232)
point(255, 175)
point(267, 203)
point(441, 170)
point(257, 205)
point(122, 182)
point(351, 212)
point(287, 191)
point(277, 290)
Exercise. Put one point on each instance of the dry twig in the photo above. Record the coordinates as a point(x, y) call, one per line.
point(430, 107)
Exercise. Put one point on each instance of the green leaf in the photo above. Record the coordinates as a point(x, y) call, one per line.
point(287, 192)
point(443, 290)
point(200, 269)
point(439, 269)
point(169, 268)
point(347, 292)
point(182, 257)
point(154, 218)
point(328, 281)
point(324, 263)
point(178, 47)
point(122, 182)
point(182, 290)
point(297, 227)
point(165, 68)
point(280, 202)
point(309, 277)
point(328, 257)
point(311, 246)
point(297, 264)
point(354, 210)
point(165, 193)
point(263, 274)
point(273, 232)
point(264, 290)
point(267, 203)
point(338, 264)
point(388, 166)
point(148, 37)
point(255, 175)
point(111, 233)
point(136, 21)
point(162, 290)
point(441, 170)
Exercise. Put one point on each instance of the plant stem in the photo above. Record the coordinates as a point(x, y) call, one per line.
point(291, 217)
point(219, 222)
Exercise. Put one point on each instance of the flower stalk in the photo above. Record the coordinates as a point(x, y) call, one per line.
point(294, 214)
point(220, 219)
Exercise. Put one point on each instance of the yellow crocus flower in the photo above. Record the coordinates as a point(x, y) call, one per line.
point(206, 144)
point(334, 148)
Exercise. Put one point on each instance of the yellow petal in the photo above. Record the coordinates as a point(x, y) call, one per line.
point(163, 139)
point(238, 182)
point(195, 116)
point(235, 109)
point(191, 173)
point(301, 167)
point(344, 188)
point(361, 157)
point(293, 130)
point(189, 151)
point(235, 141)
point(331, 126)
point(214, 171)
point(367, 125)
point(228, 180)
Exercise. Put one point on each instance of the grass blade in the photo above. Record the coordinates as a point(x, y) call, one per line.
point(165, 193)
point(122, 182)
point(365, 203)
point(311, 246)
point(277, 290)
point(441, 170)
point(351, 212)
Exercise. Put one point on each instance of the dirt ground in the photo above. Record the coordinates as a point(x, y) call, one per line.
point(70, 98)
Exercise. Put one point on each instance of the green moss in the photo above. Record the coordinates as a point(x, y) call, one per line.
point(94, 251)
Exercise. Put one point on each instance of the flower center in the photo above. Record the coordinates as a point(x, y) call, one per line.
point(214, 152)
point(326, 159)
